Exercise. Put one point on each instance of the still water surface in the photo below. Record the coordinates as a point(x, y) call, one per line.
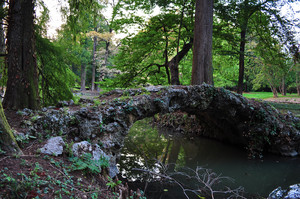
point(146, 144)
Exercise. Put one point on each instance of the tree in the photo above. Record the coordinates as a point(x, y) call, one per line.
point(240, 14)
point(7, 139)
point(202, 71)
point(22, 85)
point(154, 54)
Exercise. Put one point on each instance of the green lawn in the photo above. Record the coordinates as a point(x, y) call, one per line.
point(282, 107)
point(265, 95)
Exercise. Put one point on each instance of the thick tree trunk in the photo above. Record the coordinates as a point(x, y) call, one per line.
point(173, 64)
point(298, 84)
point(2, 53)
point(2, 37)
point(202, 59)
point(22, 84)
point(7, 140)
point(83, 77)
point(242, 62)
point(274, 91)
point(167, 58)
point(107, 44)
point(94, 64)
point(282, 87)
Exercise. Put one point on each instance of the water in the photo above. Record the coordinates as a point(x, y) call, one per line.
point(145, 145)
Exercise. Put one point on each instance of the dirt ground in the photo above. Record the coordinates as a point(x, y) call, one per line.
point(33, 175)
point(284, 100)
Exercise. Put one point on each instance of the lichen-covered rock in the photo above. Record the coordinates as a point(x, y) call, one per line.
point(225, 115)
point(52, 122)
point(292, 192)
point(54, 146)
point(85, 147)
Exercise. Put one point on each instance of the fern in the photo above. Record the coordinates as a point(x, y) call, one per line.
point(88, 164)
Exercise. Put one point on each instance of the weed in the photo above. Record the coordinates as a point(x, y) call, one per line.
point(96, 102)
point(2, 151)
point(87, 164)
point(112, 184)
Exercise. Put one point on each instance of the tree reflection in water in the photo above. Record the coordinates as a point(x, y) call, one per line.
point(150, 155)
point(145, 146)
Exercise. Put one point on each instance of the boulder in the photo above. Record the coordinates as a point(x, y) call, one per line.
point(292, 192)
point(54, 146)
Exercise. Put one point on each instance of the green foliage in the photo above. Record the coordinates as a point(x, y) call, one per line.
point(56, 77)
point(265, 31)
point(88, 164)
point(23, 139)
point(143, 58)
point(39, 183)
point(112, 184)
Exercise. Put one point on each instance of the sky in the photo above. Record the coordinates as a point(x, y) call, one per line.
point(55, 16)
point(56, 19)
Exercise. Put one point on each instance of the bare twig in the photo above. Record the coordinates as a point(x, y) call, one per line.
point(205, 177)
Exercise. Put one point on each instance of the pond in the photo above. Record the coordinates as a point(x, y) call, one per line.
point(147, 148)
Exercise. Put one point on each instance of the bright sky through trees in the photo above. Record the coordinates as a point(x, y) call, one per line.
point(292, 11)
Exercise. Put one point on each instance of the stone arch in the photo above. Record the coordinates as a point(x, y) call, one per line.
point(231, 117)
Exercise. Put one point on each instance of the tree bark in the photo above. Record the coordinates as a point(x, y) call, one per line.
point(274, 91)
point(298, 83)
point(22, 84)
point(173, 64)
point(83, 77)
point(282, 87)
point(202, 71)
point(167, 58)
point(242, 61)
point(7, 140)
point(107, 44)
point(2, 52)
point(94, 64)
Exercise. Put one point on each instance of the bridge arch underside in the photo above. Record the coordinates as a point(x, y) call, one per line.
point(224, 116)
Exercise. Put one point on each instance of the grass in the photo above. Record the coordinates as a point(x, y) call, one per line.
point(265, 95)
point(282, 107)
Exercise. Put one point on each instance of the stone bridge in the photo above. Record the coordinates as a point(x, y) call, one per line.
point(225, 116)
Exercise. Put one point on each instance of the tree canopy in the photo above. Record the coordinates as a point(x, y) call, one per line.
point(253, 46)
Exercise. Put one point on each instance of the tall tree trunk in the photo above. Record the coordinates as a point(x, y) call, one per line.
point(2, 37)
point(7, 140)
point(274, 91)
point(2, 52)
point(173, 64)
point(107, 44)
point(22, 84)
point(83, 77)
point(202, 59)
point(94, 64)
point(282, 87)
point(242, 62)
point(167, 58)
point(298, 83)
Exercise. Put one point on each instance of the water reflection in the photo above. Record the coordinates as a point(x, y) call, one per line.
point(145, 145)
